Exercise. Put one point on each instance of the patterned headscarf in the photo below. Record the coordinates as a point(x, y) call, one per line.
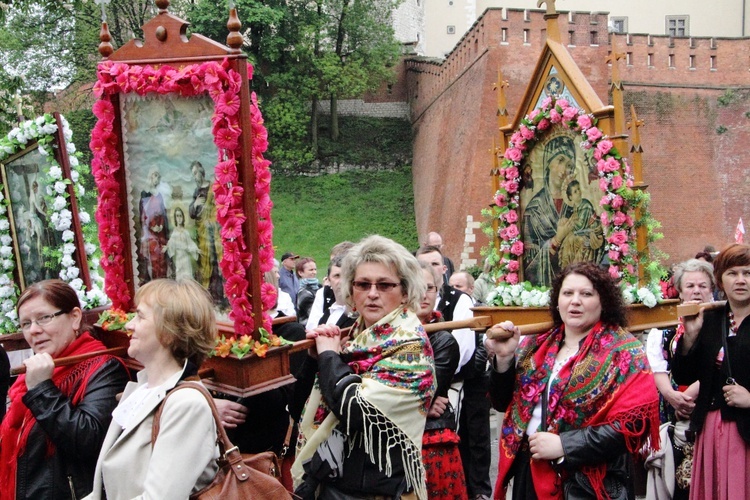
point(608, 382)
point(394, 359)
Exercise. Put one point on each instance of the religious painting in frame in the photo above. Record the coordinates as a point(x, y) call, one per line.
point(184, 189)
point(170, 157)
point(560, 207)
point(25, 186)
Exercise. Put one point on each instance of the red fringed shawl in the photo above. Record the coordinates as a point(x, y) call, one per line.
point(607, 382)
point(14, 431)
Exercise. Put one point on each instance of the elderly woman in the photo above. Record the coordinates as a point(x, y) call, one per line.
point(440, 454)
point(715, 350)
point(361, 430)
point(173, 330)
point(577, 398)
point(694, 281)
point(58, 417)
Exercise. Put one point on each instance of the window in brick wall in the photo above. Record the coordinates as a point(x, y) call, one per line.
point(618, 24)
point(713, 62)
point(692, 62)
point(504, 35)
point(671, 60)
point(678, 26)
point(572, 38)
point(629, 58)
point(526, 16)
point(594, 38)
point(650, 60)
point(526, 36)
point(451, 30)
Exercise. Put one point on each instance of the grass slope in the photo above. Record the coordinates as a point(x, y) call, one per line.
point(312, 214)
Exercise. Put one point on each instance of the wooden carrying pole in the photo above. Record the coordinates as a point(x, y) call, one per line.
point(476, 323)
point(72, 360)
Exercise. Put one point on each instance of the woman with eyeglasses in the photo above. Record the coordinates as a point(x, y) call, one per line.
point(57, 419)
point(715, 350)
point(370, 391)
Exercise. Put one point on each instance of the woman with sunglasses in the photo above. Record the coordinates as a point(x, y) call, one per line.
point(51, 435)
point(369, 392)
point(715, 349)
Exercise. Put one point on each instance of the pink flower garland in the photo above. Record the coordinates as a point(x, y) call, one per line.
point(223, 86)
point(614, 180)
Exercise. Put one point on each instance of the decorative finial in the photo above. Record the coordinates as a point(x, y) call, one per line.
point(550, 6)
point(163, 6)
point(234, 38)
point(105, 47)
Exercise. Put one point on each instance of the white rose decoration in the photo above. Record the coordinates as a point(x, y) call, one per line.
point(68, 235)
point(4, 225)
point(55, 173)
point(59, 203)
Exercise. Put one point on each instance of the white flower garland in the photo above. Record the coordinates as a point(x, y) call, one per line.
point(520, 294)
point(43, 130)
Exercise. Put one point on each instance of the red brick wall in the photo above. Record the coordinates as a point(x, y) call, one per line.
point(698, 178)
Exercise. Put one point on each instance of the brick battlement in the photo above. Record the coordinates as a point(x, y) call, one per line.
point(518, 35)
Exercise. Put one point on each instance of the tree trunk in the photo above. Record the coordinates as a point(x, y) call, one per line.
point(314, 126)
point(334, 118)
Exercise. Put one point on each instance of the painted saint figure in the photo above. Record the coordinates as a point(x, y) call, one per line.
point(203, 211)
point(154, 230)
point(585, 241)
point(542, 235)
point(181, 247)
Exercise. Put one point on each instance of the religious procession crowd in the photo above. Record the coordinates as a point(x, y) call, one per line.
point(387, 403)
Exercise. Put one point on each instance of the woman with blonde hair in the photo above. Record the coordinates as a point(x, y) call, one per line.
point(369, 393)
point(172, 332)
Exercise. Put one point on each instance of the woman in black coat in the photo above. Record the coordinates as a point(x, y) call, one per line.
point(715, 350)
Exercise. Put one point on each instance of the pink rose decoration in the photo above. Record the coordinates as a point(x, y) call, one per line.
point(605, 220)
point(584, 121)
point(629, 182)
point(543, 124)
point(613, 255)
point(604, 201)
point(570, 113)
point(526, 132)
point(563, 103)
point(511, 173)
point(614, 272)
point(500, 198)
point(517, 248)
point(512, 278)
point(511, 231)
point(603, 183)
point(618, 238)
point(620, 219)
point(510, 186)
point(546, 102)
point(604, 146)
point(554, 116)
point(513, 266)
point(516, 138)
point(511, 216)
point(616, 182)
point(617, 202)
point(593, 134)
point(624, 249)
point(631, 269)
point(513, 154)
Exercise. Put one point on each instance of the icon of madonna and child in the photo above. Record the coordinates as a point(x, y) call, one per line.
point(176, 239)
point(560, 222)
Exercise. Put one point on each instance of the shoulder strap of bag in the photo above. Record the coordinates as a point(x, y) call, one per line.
point(229, 453)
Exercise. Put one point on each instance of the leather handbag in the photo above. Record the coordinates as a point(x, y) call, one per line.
point(240, 475)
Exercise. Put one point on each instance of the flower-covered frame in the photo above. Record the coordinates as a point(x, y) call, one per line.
point(167, 63)
point(612, 170)
point(41, 219)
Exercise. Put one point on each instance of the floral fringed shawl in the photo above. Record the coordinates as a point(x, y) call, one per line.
point(394, 360)
point(608, 382)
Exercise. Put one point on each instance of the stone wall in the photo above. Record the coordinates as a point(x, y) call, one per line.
point(695, 154)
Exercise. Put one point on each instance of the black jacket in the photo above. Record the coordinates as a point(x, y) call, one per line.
point(446, 355)
point(4, 381)
point(76, 431)
point(584, 446)
point(700, 364)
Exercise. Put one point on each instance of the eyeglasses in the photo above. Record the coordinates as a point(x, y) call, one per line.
point(41, 321)
point(431, 289)
point(380, 286)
